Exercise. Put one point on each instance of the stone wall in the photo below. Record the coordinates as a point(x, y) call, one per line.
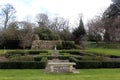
point(42, 44)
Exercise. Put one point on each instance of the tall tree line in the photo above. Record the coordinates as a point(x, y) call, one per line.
point(19, 34)
point(106, 26)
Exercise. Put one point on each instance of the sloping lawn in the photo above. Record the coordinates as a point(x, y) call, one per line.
point(85, 74)
point(104, 51)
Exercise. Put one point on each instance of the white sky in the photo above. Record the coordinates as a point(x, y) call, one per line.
point(65, 8)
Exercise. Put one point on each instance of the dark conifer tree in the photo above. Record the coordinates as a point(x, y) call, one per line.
point(79, 32)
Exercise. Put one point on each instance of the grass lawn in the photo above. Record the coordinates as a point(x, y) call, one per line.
point(104, 51)
point(85, 74)
point(2, 50)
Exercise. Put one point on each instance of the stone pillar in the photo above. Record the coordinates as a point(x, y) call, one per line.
point(52, 68)
point(71, 68)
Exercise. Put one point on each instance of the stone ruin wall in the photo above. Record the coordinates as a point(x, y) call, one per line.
point(42, 44)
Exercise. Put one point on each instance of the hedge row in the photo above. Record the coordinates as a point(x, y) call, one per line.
point(22, 65)
point(38, 58)
point(41, 65)
point(15, 53)
point(93, 64)
point(73, 52)
point(37, 52)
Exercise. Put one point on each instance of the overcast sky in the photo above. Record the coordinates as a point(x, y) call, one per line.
point(65, 8)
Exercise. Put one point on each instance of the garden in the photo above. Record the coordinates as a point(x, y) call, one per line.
point(37, 59)
point(46, 48)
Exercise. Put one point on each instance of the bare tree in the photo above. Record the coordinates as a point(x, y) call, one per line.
point(95, 29)
point(42, 19)
point(7, 14)
point(25, 34)
point(59, 24)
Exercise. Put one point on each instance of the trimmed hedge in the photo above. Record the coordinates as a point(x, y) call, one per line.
point(41, 65)
point(15, 53)
point(36, 52)
point(73, 52)
point(22, 65)
point(94, 64)
point(22, 58)
point(39, 58)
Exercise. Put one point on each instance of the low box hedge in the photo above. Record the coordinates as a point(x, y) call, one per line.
point(73, 52)
point(15, 53)
point(36, 52)
point(22, 65)
point(96, 64)
point(41, 65)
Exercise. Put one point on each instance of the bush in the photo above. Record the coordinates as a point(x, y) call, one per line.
point(22, 65)
point(15, 53)
point(36, 52)
point(66, 45)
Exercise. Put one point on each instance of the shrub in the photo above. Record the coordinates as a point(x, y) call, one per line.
point(66, 45)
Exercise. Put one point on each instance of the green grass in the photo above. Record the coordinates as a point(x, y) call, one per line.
point(2, 51)
point(103, 45)
point(85, 74)
point(104, 51)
